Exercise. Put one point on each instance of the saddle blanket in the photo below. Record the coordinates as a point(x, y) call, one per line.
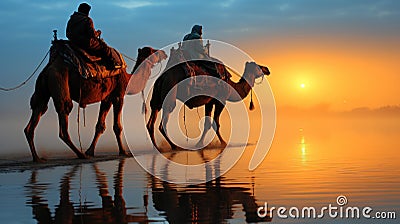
point(88, 66)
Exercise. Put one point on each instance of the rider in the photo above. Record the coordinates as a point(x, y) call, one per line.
point(193, 44)
point(193, 49)
point(81, 31)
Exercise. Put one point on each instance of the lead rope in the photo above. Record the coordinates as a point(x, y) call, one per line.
point(79, 109)
point(159, 70)
point(144, 108)
point(84, 117)
point(251, 106)
point(198, 115)
point(128, 57)
point(24, 82)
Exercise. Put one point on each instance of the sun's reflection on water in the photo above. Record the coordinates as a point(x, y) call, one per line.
point(303, 146)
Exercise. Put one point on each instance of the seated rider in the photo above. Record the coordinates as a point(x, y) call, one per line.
point(193, 49)
point(81, 32)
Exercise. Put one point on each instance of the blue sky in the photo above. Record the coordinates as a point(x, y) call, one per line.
point(127, 24)
point(26, 25)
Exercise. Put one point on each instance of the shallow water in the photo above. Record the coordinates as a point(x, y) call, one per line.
point(309, 164)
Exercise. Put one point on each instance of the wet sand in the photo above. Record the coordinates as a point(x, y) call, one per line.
point(23, 163)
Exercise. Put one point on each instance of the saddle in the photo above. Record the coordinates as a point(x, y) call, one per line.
point(200, 69)
point(88, 66)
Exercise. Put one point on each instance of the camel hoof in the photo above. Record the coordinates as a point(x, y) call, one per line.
point(125, 154)
point(82, 156)
point(89, 153)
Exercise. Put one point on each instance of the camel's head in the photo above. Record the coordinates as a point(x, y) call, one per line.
point(257, 70)
point(153, 55)
point(265, 70)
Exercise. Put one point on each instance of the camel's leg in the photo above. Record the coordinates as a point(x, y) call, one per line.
point(100, 126)
point(102, 185)
point(207, 123)
point(30, 132)
point(217, 113)
point(150, 126)
point(38, 103)
point(64, 135)
point(119, 201)
point(163, 128)
point(168, 106)
point(117, 109)
point(60, 92)
point(40, 210)
point(65, 210)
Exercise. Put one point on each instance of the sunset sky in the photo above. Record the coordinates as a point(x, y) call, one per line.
point(321, 53)
point(338, 53)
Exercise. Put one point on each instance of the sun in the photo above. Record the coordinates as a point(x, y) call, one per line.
point(302, 85)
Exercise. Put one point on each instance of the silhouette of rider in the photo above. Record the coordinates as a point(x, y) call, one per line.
point(193, 49)
point(81, 32)
point(193, 44)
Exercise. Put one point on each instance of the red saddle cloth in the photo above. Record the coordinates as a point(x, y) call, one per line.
point(88, 66)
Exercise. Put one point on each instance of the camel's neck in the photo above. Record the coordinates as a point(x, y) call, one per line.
point(138, 62)
point(243, 87)
point(139, 77)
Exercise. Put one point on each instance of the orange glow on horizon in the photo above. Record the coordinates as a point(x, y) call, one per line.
point(345, 73)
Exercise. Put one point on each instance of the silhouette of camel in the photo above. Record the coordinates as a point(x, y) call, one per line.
point(111, 210)
point(165, 93)
point(212, 202)
point(60, 81)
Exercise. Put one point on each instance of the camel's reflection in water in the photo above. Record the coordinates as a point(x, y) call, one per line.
point(111, 210)
point(213, 202)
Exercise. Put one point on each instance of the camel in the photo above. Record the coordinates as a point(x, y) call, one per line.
point(60, 81)
point(110, 210)
point(174, 75)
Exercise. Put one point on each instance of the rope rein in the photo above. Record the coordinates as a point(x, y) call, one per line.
point(184, 122)
point(144, 107)
point(147, 60)
point(130, 58)
point(158, 73)
point(27, 80)
point(251, 106)
point(78, 119)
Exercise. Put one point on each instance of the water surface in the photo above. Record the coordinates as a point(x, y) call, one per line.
point(309, 164)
